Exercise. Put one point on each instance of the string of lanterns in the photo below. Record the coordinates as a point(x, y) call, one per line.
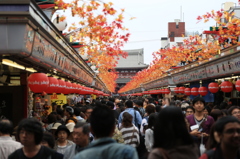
point(213, 87)
point(40, 83)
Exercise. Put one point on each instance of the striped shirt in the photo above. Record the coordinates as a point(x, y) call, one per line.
point(130, 135)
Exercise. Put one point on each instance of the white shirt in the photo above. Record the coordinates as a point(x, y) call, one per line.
point(149, 139)
point(8, 146)
point(144, 122)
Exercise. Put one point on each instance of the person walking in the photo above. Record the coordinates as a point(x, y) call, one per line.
point(129, 131)
point(104, 147)
point(30, 134)
point(171, 136)
point(80, 138)
point(199, 123)
point(7, 144)
point(137, 119)
point(62, 142)
point(227, 139)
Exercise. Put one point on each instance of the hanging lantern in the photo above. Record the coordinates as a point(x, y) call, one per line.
point(176, 89)
point(38, 82)
point(61, 86)
point(74, 88)
point(181, 89)
point(203, 91)
point(68, 89)
point(194, 91)
point(53, 85)
point(167, 91)
point(187, 91)
point(213, 87)
point(237, 85)
point(79, 88)
point(226, 86)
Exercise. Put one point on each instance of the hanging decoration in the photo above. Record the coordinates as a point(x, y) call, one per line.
point(187, 91)
point(61, 86)
point(237, 85)
point(181, 90)
point(194, 91)
point(53, 85)
point(213, 87)
point(38, 82)
point(176, 89)
point(203, 91)
point(68, 89)
point(226, 86)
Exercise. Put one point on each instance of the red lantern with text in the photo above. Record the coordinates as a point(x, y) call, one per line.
point(194, 91)
point(79, 88)
point(213, 87)
point(167, 91)
point(226, 86)
point(38, 82)
point(237, 85)
point(187, 91)
point(61, 86)
point(74, 88)
point(203, 91)
point(68, 89)
point(176, 89)
point(53, 85)
point(181, 89)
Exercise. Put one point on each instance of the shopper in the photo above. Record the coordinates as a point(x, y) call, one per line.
point(30, 133)
point(137, 119)
point(199, 123)
point(80, 139)
point(228, 140)
point(7, 145)
point(104, 147)
point(234, 111)
point(129, 131)
point(62, 142)
point(171, 137)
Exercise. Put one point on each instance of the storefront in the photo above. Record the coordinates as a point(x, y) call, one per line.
point(31, 43)
point(223, 67)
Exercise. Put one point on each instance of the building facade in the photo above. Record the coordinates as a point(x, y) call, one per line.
point(128, 67)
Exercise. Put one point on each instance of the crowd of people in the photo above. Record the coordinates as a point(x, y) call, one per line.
point(127, 128)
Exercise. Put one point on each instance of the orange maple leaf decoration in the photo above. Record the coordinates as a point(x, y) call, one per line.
point(102, 37)
point(194, 47)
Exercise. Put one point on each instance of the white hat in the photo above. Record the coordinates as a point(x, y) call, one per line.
point(55, 126)
point(184, 105)
point(70, 126)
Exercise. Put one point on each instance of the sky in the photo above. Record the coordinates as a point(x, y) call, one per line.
point(152, 17)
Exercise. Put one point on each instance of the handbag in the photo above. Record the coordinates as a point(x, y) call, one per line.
point(202, 146)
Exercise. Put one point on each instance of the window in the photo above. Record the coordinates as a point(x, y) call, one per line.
point(172, 34)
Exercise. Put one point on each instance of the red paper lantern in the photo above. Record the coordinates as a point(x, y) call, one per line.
point(74, 88)
point(213, 87)
point(38, 82)
point(194, 91)
point(167, 91)
point(68, 89)
point(237, 85)
point(203, 91)
point(53, 85)
point(61, 86)
point(79, 88)
point(187, 91)
point(176, 89)
point(181, 89)
point(226, 86)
